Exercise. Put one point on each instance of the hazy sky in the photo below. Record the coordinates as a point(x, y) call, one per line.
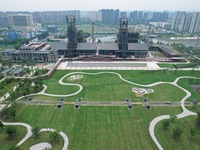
point(34, 5)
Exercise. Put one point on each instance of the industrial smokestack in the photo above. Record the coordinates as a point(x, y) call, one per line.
point(198, 42)
point(93, 40)
point(148, 38)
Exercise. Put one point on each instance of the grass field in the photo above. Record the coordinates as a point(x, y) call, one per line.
point(54, 87)
point(110, 128)
point(190, 65)
point(97, 28)
point(185, 84)
point(108, 87)
point(97, 127)
point(185, 142)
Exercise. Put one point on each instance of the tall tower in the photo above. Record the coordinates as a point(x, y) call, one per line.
point(148, 38)
point(72, 36)
point(123, 37)
point(93, 40)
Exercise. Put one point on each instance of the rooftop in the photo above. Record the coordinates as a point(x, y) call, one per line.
point(171, 51)
point(137, 46)
point(86, 46)
point(9, 50)
point(108, 46)
point(58, 45)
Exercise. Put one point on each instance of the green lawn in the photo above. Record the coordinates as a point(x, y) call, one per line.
point(185, 142)
point(141, 77)
point(190, 65)
point(161, 65)
point(7, 142)
point(54, 87)
point(185, 84)
point(166, 92)
point(97, 28)
point(41, 98)
point(97, 127)
point(108, 87)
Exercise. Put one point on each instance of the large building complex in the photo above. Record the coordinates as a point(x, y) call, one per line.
point(126, 46)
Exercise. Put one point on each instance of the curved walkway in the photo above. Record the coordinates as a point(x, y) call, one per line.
point(29, 133)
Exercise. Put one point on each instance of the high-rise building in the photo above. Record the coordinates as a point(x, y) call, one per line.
point(110, 16)
point(95, 16)
point(140, 17)
point(20, 22)
point(186, 22)
point(177, 20)
point(145, 18)
point(160, 16)
point(123, 14)
point(3, 19)
point(195, 23)
point(54, 17)
point(134, 16)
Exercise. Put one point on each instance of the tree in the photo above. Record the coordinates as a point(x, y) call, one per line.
point(14, 148)
point(173, 118)
point(1, 124)
point(10, 112)
point(11, 131)
point(166, 124)
point(193, 132)
point(13, 112)
point(54, 136)
point(35, 131)
point(177, 132)
point(198, 119)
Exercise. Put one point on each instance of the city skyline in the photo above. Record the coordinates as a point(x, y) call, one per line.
point(128, 5)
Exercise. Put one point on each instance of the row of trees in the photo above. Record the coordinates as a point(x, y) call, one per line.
point(7, 85)
point(26, 88)
point(14, 42)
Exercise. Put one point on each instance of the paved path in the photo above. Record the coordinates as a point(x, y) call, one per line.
point(2, 106)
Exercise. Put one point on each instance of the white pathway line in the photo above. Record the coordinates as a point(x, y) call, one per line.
point(29, 133)
point(28, 127)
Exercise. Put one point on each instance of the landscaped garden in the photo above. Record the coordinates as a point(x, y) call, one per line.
point(109, 127)
point(96, 127)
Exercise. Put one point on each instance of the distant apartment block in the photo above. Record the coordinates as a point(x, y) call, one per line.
point(23, 25)
point(95, 16)
point(186, 22)
point(110, 16)
point(54, 17)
